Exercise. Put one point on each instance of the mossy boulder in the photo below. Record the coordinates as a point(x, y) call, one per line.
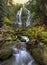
point(5, 54)
point(45, 54)
point(44, 37)
point(37, 54)
point(38, 51)
point(40, 54)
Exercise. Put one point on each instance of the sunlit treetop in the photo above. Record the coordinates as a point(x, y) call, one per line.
point(20, 1)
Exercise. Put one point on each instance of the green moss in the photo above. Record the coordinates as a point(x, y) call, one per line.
point(37, 54)
point(44, 36)
point(7, 36)
point(5, 54)
point(45, 54)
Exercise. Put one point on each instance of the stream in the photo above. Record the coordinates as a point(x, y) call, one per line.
point(20, 56)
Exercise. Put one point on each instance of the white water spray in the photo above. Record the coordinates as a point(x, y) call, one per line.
point(19, 17)
point(19, 21)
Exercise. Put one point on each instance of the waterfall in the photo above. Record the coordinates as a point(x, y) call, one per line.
point(19, 17)
point(19, 21)
point(28, 19)
point(20, 56)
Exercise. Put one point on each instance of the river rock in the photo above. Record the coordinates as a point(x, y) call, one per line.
point(5, 54)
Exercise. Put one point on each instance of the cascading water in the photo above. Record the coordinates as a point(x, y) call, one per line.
point(19, 21)
point(20, 56)
point(19, 17)
point(28, 22)
point(28, 19)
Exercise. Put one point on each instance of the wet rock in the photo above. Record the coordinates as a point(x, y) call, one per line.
point(40, 44)
point(5, 54)
point(21, 39)
point(40, 54)
point(15, 50)
point(37, 54)
point(39, 51)
point(32, 43)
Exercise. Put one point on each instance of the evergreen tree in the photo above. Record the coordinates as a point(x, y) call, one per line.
point(40, 9)
point(3, 11)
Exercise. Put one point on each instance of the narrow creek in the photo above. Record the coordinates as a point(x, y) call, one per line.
point(20, 56)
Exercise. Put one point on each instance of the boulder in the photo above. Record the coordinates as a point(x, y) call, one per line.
point(5, 54)
point(38, 51)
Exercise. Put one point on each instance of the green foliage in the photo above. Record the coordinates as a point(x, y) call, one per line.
point(7, 36)
point(8, 10)
point(35, 33)
point(44, 37)
point(39, 7)
point(12, 11)
point(3, 11)
point(5, 54)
